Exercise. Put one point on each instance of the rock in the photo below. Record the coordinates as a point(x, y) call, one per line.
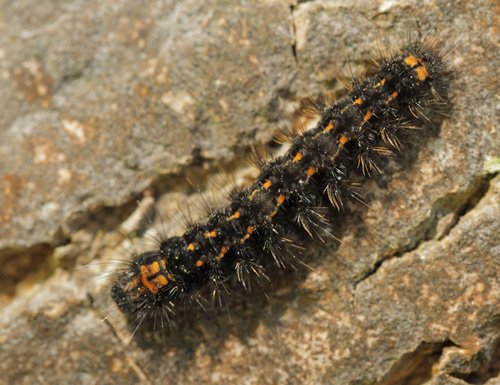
point(104, 104)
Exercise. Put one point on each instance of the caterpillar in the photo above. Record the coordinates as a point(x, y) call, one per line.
point(289, 196)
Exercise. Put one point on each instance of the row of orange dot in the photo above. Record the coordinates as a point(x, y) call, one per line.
point(280, 200)
point(154, 267)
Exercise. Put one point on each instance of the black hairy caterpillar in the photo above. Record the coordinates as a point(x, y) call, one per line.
point(354, 133)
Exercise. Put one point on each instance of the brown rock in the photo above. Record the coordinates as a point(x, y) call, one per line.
point(104, 103)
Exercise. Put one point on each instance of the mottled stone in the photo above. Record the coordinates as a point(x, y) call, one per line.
point(101, 100)
point(105, 103)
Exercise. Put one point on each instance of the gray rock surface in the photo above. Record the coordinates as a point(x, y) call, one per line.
point(106, 103)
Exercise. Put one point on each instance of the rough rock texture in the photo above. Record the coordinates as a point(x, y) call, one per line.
point(105, 103)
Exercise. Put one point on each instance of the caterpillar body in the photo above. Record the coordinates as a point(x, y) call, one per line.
point(354, 133)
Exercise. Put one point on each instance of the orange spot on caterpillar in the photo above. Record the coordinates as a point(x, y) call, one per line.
point(170, 277)
point(421, 70)
point(393, 96)
point(267, 184)
point(343, 140)
point(358, 101)
point(380, 83)
point(154, 267)
point(311, 171)
point(236, 215)
point(281, 199)
point(161, 280)
point(329, 127)
point(211, 234)
point(250, 230)
point(199, 263)
point(223, 251)
point(422, 73)
point(250, 197)
point(144, 279)
point(190, 247)
point(368, 115)
point(411, 60)
point(297, 157)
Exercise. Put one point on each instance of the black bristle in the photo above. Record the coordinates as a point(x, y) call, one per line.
point(360, 132)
